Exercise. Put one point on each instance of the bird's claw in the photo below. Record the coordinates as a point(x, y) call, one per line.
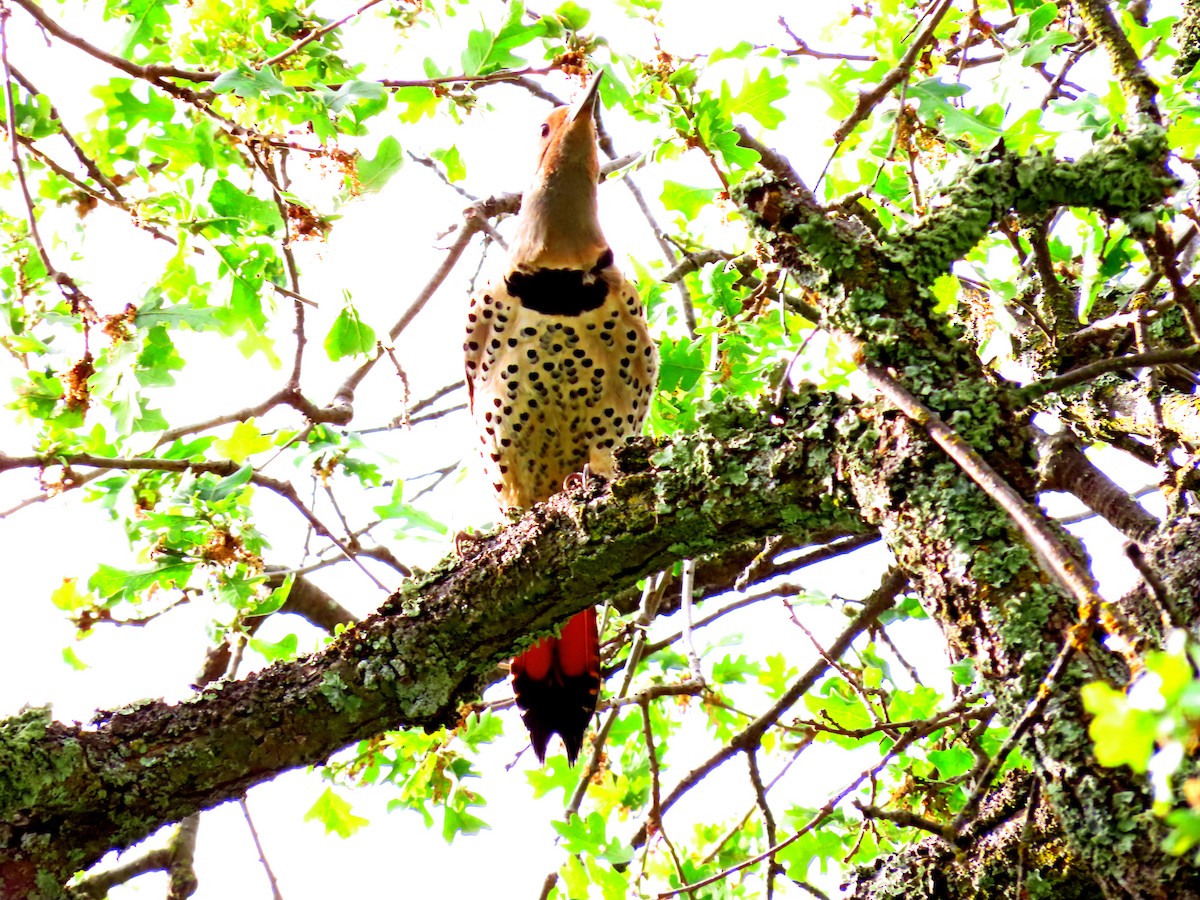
point(578, 480)
point(463, 541)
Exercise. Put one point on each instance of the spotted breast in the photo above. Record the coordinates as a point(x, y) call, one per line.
point(556, 388)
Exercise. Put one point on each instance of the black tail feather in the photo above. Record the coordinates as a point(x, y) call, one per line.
point(562, 706)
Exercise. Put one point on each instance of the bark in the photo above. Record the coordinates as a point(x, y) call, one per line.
point(1017, 849)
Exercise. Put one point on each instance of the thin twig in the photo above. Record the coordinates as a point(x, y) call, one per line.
point(655, 814)
point(879, 601)
point(1085, 373)
point(760, 796)
point(314, 35)
point(906, 741)
point(262, 856)
point(868, 100)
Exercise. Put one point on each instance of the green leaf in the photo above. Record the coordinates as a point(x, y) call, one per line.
point(349, 336)
point(963, 672)
point(113, 584)
point(685, 198)
point(148, 20)
point(730, 670)
point(1122, 735)
point(252, 83)
point(353, 92)
point(556, 775)
point(458, 821)
point(488, 52)
point(452, 162)
point(589, 836)
point(945, 293)
point(418, 102)
point(739, 51)
point(249, 214)
point(275, 599)
point(280, 650)
point(682, 363)
point(573, 15)
point(69, 598)
point(734, 154)
point(155, 311)
point(376, 171)
point(953, 762)
point(334, 813)
point(758, 98)
point(244, 442)
point(410, 517)
point(933, 100)
point(1042, 16)
point(71, 658)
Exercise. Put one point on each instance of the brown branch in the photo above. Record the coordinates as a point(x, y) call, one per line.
point(1063, 466)
point(79, 301)
point(773, 161)
point(262, 855)
point(879, 601)
point(177, 859)
point(300, 43)
point(1030, 520)
point(1090, 371)
point(760, 796)
point(655, 814)
point(907, 819)
point(868, 100)
point(802, 48)
point(1163, 257)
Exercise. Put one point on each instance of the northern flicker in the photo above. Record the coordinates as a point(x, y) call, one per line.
point(560, 368)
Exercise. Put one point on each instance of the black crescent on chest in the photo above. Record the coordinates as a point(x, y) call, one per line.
point(561, 292)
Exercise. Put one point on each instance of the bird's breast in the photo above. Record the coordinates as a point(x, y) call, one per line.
point(559, 390)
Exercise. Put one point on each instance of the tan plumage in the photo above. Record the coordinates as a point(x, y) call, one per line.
point(560, 369)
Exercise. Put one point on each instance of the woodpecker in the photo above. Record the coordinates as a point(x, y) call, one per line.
point(560, 369)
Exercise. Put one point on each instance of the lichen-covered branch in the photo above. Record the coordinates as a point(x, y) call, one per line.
point(977, 573)
point(1121, 176)
point(69, 793)
point(1136, 83)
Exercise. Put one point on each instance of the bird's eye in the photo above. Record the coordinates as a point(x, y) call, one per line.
point(545, 129)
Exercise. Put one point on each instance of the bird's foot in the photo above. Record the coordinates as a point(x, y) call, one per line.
point(464, 541)
point(578, 480)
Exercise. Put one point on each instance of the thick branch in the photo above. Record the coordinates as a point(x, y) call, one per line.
point(68, 793)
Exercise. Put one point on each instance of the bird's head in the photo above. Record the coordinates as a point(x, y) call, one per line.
point(568, 139)
point(559, 225)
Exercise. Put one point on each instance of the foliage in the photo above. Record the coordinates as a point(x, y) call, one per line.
point(195, 386)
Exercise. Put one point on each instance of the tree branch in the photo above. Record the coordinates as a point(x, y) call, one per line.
point(431, 648)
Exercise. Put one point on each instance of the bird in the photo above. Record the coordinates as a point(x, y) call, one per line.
point(560, 370)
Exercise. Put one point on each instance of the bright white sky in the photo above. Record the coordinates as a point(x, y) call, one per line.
point(382, 252)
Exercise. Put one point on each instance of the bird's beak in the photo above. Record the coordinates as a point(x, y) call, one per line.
point(586, 104)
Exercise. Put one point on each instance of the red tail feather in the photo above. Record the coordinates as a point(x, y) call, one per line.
point(557, 681)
